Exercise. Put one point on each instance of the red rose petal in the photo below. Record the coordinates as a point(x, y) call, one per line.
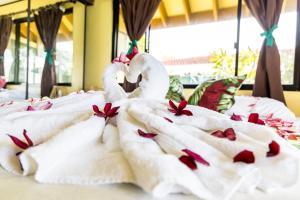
point(146, 135)
point(235, 117)
point(172, 105)
point(187, 112)
point(245, 157)
point(29, 141)
point(274, 149)
point(107, 107)
point(18, 142)
point(168, 119)
point(112, 112)
point(230, 134)
point(219, 134)
point(30, 108)
point(253, 118)
point(189, 162)
point(47, 106)
point(182, 105)
point(96, 109)
point(172, 111)
point(196, 156)
point(261, 122)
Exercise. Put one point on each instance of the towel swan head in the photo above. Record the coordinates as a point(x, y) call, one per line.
point(154, 84)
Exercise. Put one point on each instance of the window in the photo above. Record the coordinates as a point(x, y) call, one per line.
point(16, 55)
point(198, 40)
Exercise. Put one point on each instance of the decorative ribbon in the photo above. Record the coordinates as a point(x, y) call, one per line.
point(269, 35)
point(131, 46)
point(49, 56)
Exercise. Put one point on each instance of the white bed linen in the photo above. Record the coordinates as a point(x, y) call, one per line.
point(25, 188)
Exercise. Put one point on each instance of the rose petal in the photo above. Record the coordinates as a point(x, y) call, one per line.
point(107, 107)
point(245, 157)
point(172, 111)
point(30, 108)
point(168, 119)
point(189, 162)
point(274, 149)
point(146, 135)
point(29, 141)
point(172, 105)
point(253, 118)
point(260, 122)
point(47, 106)
point(187, 112)
point(219, 134)
point(196, 156)
point(96, 109)
point(230, 134)
point(235, 117)
point(112, 112)
point(182, 105)
point(19, 143)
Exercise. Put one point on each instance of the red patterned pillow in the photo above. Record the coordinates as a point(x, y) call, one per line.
point(217, 95)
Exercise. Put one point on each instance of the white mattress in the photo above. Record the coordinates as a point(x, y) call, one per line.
point(17, 188)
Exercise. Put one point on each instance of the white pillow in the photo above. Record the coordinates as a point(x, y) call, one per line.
point(245, 105)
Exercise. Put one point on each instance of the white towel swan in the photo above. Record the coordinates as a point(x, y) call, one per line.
point(154, 84)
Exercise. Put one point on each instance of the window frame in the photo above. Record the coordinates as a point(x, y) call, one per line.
point(17, 23)
point(296, 79)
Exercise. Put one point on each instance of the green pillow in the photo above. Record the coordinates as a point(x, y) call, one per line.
point(175, 92)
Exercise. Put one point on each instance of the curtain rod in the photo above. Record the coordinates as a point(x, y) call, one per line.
point(37, 9)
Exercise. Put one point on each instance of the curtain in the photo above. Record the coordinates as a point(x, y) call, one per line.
point(47, 21)
point(268, 79)
point(137, 16)
point(5, 30)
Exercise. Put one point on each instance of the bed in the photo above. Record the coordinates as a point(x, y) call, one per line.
point(11, 95)
point(25, 188)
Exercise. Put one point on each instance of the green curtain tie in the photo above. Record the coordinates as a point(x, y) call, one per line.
point(269, 35)
point(49, 56)
point(131, 46)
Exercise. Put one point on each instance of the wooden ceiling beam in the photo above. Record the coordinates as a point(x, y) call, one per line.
point(67, 23)
point(215, 9)
point(187, 11)
point(163, 14)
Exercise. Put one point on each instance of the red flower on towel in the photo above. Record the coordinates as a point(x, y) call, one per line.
point(245, 157)
point(46, 106)
point(122, 59)
point(19, 143)
point(190, 159)
point(274, 149)
point(108, 111)
point(254, 118)
point(146, 135)
point(235, 117)
point(180, 109)
point(169, 120)
point(228, 133)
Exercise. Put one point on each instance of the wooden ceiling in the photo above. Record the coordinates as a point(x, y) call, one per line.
point(64, 34)
point(184, 12)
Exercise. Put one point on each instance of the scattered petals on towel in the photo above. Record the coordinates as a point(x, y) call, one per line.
point(196, 157)
point(146, 135)
point(180, 109)
point(228, 133)
point(189, 162)
point(46, 106)
point(6, 104)
point(169, 120)
point(274, 149)
point(108, 111)
point(254, 118)
point(245, 157)
point(219, 134)
point(235, 117)
point(19, 143)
